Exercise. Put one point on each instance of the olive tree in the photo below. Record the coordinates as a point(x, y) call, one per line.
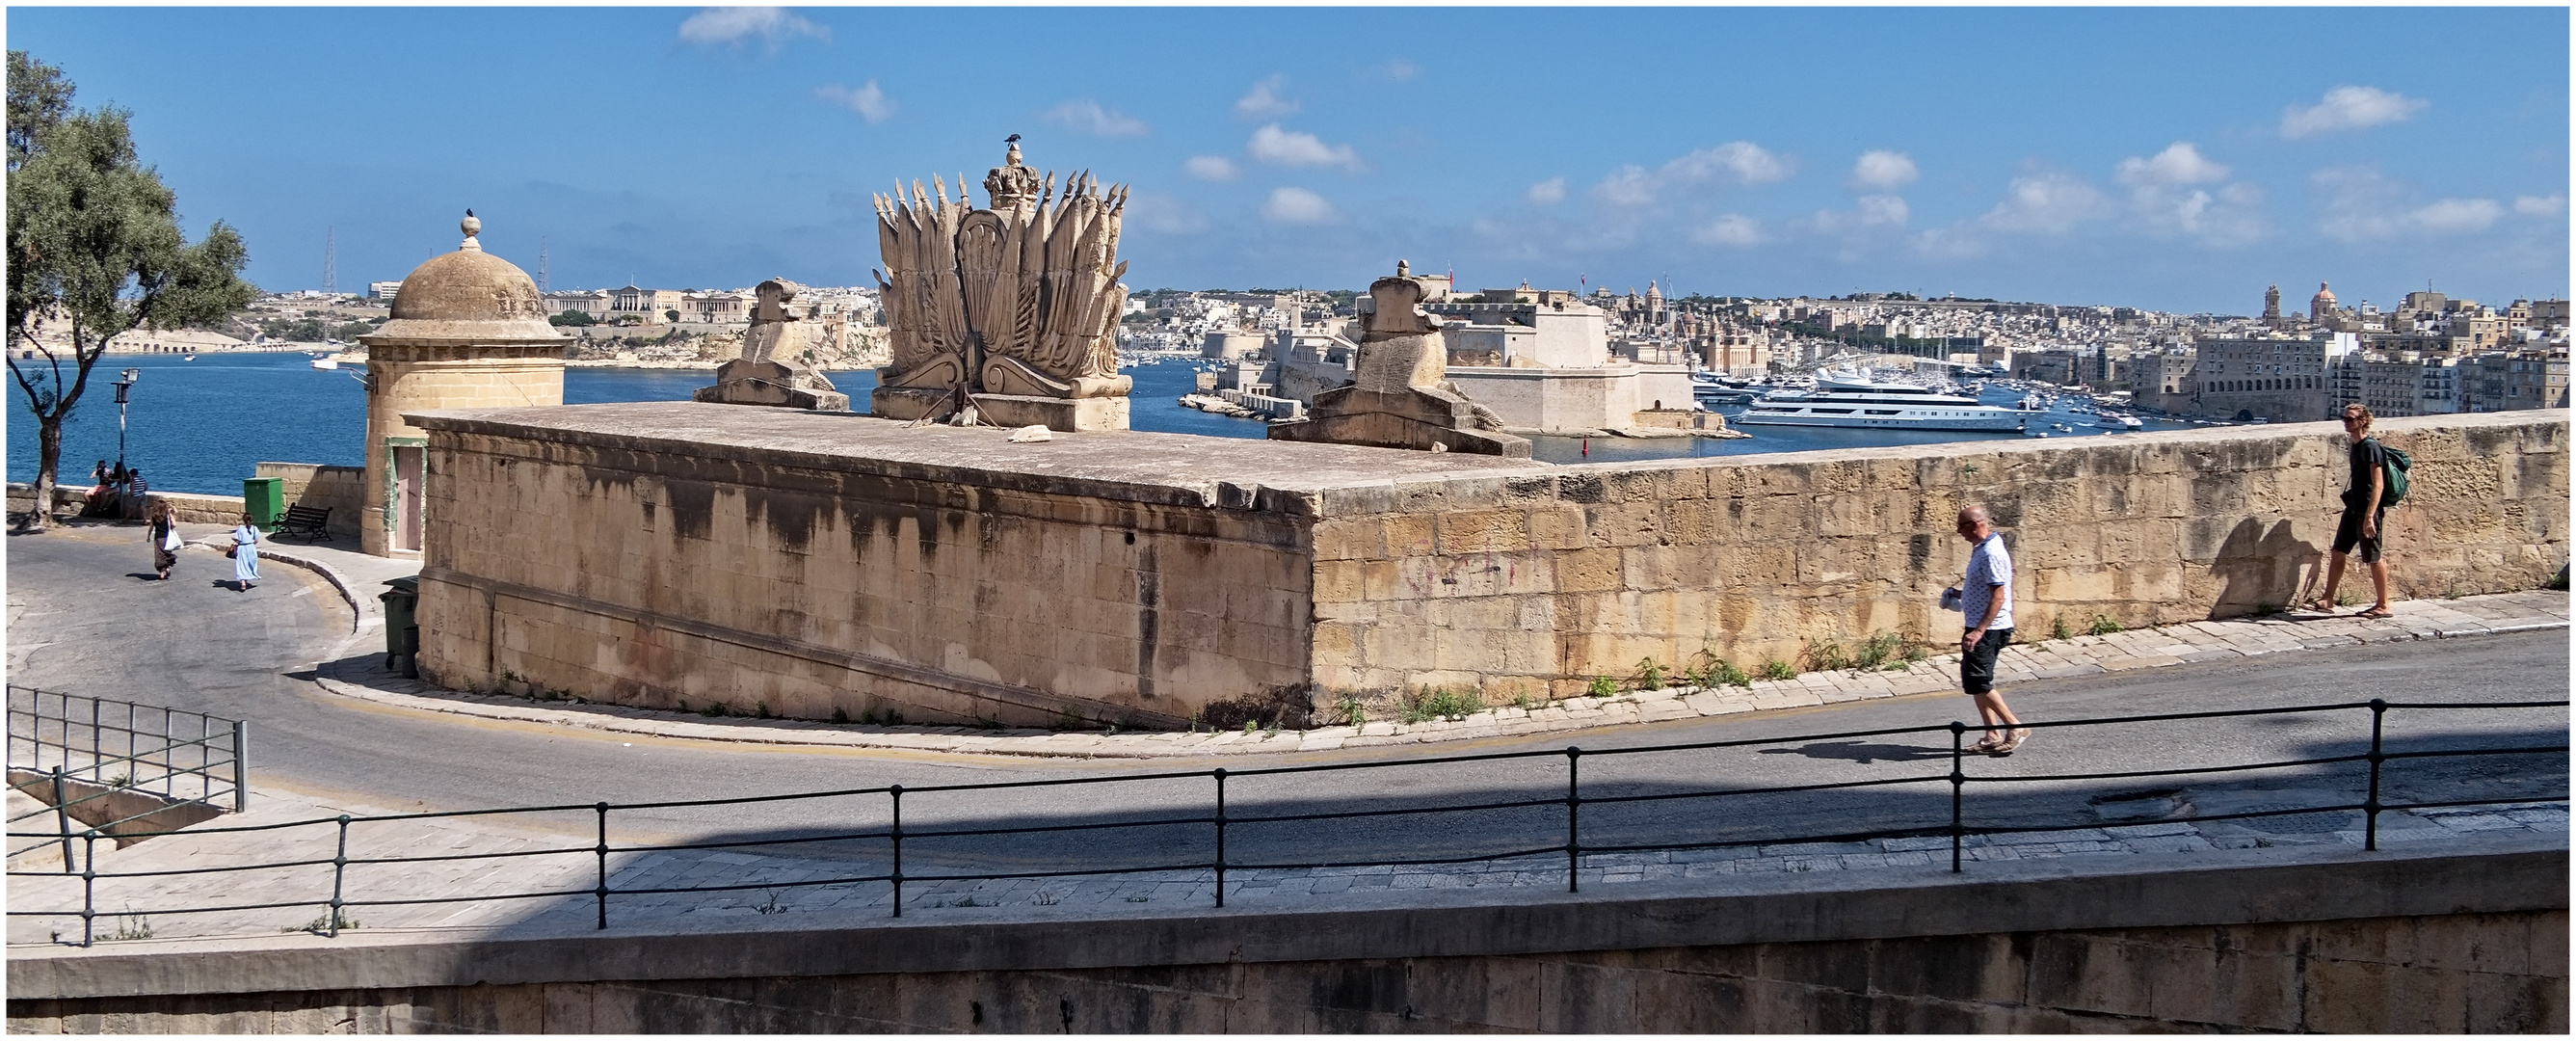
point(94, 251)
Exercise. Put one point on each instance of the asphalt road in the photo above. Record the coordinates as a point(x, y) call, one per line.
point(86, 619)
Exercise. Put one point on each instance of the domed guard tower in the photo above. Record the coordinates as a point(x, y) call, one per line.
point(468, 331)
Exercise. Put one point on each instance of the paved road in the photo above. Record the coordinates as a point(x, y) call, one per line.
point(82, 621)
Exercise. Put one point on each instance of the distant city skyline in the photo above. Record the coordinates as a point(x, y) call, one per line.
point(2175, 159)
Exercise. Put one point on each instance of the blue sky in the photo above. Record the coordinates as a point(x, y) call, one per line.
point(2179, 159)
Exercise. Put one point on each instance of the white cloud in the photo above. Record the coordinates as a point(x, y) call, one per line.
point(2163, 199)
point(1884, 209)
point(2047, 204)
point(1746, 161)
point(1298, 206)
point(2179, 163)
point(2539, 205)
point(1210, 167)
point(1163, 214)
point(867, 100)
point(1400, 70)
point(1298, 148)
point(1729, 230)
point(1884, 170)
point(1626, 186)
point(1088, 117)
point(2361, 206)
point(1548, 191)
point(1264, 102)
point(2349, 108)
point(1869, 212)
point(733, 25)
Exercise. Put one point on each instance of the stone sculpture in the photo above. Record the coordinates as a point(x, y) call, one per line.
point(1400, 395)
point(772, 369)
point(1012, 309)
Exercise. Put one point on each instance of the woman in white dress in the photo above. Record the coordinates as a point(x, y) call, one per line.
point(245, 555)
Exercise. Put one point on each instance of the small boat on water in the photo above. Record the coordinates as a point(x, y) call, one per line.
point(326, 364)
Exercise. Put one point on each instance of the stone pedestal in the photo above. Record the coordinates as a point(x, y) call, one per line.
point(1065, 414)
point(906, 404)
point(1422, 419)
point(745, 382)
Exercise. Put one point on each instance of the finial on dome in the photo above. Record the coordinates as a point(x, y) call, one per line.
point(1403, 269)
point(472, 226)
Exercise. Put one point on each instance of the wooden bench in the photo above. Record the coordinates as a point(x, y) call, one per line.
point(311, 522)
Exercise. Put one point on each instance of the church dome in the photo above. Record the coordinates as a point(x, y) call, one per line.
point(468, 296)
point(2325, 297)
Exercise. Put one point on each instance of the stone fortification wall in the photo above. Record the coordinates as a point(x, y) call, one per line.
point(340, 489)
point(1536, 584)
point(669, 553)
point(658, 553)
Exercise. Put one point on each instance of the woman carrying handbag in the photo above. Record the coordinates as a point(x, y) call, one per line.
point(163, 531)
point(245, 555)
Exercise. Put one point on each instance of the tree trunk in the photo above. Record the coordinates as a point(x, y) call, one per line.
point(49, 460)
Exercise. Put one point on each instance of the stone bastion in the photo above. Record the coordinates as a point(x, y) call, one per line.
point(683, 555)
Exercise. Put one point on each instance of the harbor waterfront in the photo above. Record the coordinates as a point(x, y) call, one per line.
point(198, 426)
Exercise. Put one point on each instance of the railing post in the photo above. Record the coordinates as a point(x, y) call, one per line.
point(89, 883)
point(241, 767)
point(339, 870)
point(63, 816)
point(1219, 773)
point(2370, 806)
point(94, 769)
point(1573, 800)
point(603, 865)
point(1958, 782)
point(896, 832)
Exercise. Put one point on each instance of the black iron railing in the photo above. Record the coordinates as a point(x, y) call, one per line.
point(75, 753)
point(1220, 820)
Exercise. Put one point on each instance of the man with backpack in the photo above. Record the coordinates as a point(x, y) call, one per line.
point(2378, 482)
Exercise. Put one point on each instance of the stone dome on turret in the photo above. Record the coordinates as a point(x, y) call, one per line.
point(468, 297)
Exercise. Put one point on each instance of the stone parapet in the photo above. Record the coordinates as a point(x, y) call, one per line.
point(688, 551)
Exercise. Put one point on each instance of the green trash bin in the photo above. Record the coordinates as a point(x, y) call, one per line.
point(402, 632)
point(264, 498)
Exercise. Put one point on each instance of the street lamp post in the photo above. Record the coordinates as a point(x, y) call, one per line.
point(125, 381)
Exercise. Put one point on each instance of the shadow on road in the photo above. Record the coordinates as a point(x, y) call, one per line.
point(1863, 751)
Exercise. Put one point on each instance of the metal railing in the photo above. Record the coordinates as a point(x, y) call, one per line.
point(74, 741)
point(1957, 825)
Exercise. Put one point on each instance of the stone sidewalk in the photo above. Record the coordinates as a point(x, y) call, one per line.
point(359, 673)
point(561, 861)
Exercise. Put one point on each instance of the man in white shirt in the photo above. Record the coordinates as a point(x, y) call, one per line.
point(1985, 596)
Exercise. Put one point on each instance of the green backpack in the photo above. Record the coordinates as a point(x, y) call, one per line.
point(2393, 486)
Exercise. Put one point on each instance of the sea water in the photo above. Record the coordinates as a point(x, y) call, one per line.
point(198, 426)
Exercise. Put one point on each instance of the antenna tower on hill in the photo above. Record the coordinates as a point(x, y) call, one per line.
point(543, 286)
point(330, 261)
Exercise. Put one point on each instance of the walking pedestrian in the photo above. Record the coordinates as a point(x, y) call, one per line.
point(163, 531)
point(1985, 596)
point(245, 555)
point(2362, 514)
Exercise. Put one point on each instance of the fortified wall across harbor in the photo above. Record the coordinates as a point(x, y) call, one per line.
point(813, 565)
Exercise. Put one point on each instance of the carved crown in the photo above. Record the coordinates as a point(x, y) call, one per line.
point(1011, 186)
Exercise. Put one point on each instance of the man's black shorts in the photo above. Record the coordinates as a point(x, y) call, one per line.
point(2348, 533)
point(1977, 667)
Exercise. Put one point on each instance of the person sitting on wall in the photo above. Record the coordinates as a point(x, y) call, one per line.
point(100, 500)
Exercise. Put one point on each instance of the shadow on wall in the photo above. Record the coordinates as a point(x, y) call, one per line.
point(2262, 570)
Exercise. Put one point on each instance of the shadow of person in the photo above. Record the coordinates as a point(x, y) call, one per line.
point(2261, 570)
point(1862, 752)
point(146, 576)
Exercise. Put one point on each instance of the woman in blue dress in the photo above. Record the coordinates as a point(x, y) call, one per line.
point(245, 555)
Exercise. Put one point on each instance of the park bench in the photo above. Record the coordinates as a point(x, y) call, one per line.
point(311, 522)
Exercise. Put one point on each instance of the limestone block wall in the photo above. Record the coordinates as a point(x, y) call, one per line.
point(1538, 583)
point(340, 489)
point(405, 378)
point(669, 574)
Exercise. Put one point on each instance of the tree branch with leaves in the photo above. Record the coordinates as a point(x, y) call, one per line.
point(94, 250)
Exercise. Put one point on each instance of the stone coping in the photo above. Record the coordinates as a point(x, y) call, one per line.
point(361, 675)
point(2212, 888)
point(1179, 469)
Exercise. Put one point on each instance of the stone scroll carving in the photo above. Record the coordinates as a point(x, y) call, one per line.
point(772, 369)
point(1400, 395)
point(1019, 301)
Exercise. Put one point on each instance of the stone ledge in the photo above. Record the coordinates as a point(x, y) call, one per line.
point(2215, 888)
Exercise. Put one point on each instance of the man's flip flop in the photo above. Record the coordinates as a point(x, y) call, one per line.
point(2372, 613)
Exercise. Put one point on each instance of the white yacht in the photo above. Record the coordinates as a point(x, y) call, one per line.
point(1857, 401)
